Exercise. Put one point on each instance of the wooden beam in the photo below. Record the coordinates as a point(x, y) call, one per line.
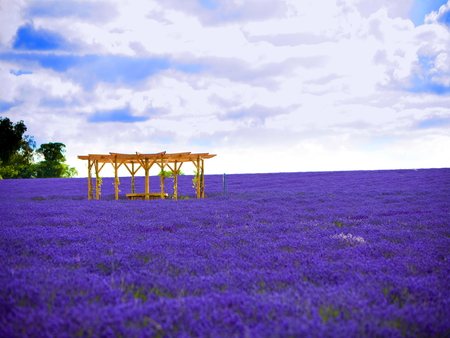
point(132, 171)
point(128, 158)
point(103, 164)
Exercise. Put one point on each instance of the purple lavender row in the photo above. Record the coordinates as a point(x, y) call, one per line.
point(296, 254)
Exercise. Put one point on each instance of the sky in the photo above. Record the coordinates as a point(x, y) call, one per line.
point(267, 85)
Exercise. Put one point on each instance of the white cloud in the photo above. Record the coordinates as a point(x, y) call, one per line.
point(329, 85)
point(11, 19)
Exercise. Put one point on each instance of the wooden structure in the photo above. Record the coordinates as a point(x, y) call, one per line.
point(134, 162)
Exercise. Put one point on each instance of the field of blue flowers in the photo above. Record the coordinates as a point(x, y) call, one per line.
point(325, 254)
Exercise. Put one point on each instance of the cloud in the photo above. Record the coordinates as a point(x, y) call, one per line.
point(29, 38)
point(89, 70)
point(158, 16)
point(395, 9)
point(292, 39)
point(117, 69)
point(57, 102)
point(435, 122)
point(189, 68)
point(219, 12)
point(427, 79)
point(85, 10)
point(375, 30)
point(329, 84)
point(248, 136)
point(255, 114)
point(357, 125)
point(123, 115)
point(378, 143)
point(264, 75)
point(324, 84)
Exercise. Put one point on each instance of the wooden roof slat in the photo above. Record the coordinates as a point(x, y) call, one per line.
point(175, 157)
point(123, 155)
point(99, 155)
point(157, 157)
point(150, 155)
point(177, 154)
point(199, 154)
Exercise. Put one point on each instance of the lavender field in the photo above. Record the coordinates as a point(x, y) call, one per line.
point(331, 254)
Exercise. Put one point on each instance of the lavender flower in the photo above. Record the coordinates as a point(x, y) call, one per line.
point(280, 255)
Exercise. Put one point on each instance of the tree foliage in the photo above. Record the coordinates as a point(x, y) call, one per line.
point(11, 138)
point(52, 152)
point(18, 152)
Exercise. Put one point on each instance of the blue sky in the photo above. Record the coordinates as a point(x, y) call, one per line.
point(29, 38)
point(335, 85)
point(209, 4)
point(420, 9)
point(62, 8)
point(124, 115)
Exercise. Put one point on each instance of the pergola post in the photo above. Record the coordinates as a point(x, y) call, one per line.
point(147, 178)
point(90, 191)
point(175, 179)
point(162, 178)
point(146, 164)
point(133, 188)
point(197, 176)
point(116, 166)
point(202, 180)
point(98, 180)
point(175, 172)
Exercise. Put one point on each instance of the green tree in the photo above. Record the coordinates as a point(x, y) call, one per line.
point(10, 138)
point(53, 164)
point(23, 160)
point(16, 150)
point(17, 154)
point(52, 152)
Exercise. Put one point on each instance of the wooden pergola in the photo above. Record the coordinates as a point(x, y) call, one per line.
point(134, 162)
